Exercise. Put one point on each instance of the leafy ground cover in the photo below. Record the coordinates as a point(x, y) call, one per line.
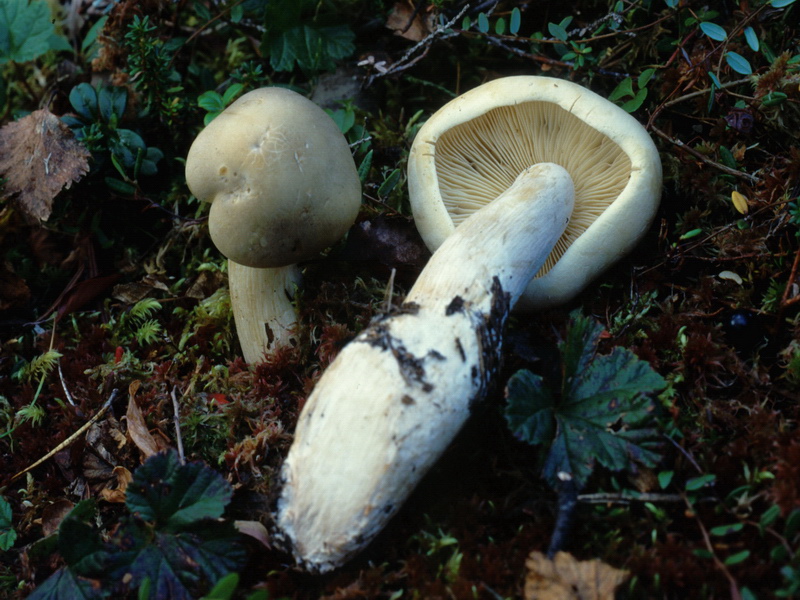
point(119, 355)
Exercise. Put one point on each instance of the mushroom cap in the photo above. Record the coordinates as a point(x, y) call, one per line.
point(474, 147)
point(279, 175)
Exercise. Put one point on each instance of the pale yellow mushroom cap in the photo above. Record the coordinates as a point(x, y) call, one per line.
point(472, 149)
point(280, 177)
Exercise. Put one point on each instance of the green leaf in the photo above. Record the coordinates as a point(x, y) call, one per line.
point(516, 21)
point(83, 98)
point(178, 565)
point(344, 119)
point(714, 31)
point(91, 35)
point(500, 26)
point(624, 88)
point(310, 48)
point(364, 167)
point(483, 23)
point(173, 495)
point(602, 412)
point(636, 102)
point(781, 3)
point(738, 63)
point(723, 530)
point(27, 31)
point(389, 183)
point(233, 90)
point(557, 31)
point(224, 589)
point(529, 412)
point(645, 77)
point(111, 102)
point(210, 101)
point(735, 559)
point(65, 585)
point(696, 483)
point(7, 534)
point(751, 38)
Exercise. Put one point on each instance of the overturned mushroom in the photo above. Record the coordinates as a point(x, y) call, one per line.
point(283, 187)
point(472, 148)
point(395, 397)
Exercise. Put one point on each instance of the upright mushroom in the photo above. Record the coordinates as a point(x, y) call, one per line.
point(394, 398)
point(472, 148)
point(283, 187)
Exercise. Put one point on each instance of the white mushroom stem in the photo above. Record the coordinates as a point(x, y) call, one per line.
point(395, 397)
point(261, 300)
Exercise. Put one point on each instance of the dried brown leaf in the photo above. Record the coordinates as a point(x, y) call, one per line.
point(254, 529)
point(117, 494)
point(406, 23)
point(137, 427)
point(53, 514)
point(566, 578)
point(38, 157)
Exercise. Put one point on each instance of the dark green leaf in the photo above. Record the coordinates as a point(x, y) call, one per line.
point(557, 31)
point(500, 26)
point(224, 589)
point(751, 38)
point(738, 63)
point(233, 90)
point(184, 565)
point(697, 483)
point(210, 101)
point(363, 168)
point(112, 102)
point(83, 98)
point(602, 412)
point(529, 412)
point(483, 23)
point(310, 48)
point(173, 495)
point(7, 534)
point(389, 183)
point(645, 77)
point(516, 21)
point(714, 31)
point(27, 31)
point(65, 585)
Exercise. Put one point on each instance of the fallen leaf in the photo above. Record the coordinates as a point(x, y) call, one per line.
point(53, 514)
point(566, 578)
point(117, 494)
point(254, 529)
point(137, 427)
point(407, 23)
point(38, 157)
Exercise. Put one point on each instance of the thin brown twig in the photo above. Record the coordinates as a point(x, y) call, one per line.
point(705, 159)
point(734, 586)
point(70, 439)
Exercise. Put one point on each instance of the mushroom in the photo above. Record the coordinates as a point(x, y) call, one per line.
point(283, 187)
point(472, 148)
point(394, 398)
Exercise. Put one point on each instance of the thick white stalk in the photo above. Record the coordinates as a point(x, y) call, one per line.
point(395, 397)
point(262, 308)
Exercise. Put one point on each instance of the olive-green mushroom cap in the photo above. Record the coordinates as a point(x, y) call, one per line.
point(280, 177)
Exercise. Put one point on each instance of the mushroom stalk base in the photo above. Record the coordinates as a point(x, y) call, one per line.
point(262, 308)
point(395, 397)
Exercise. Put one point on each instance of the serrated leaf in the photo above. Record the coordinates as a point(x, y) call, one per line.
point(738, 63)
point(173, 495)
point(179, 565)
point(27, 31)
point(602, 412)
point(714, 31)
point(311, 48)
point(529, 412)
point(578, 347)
point(65, 585)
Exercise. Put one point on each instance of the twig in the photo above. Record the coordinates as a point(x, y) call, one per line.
point(71, 438)
point(64, 385)
point(622, 498)
point(705, 159)
point(735, 593)
point(785, 300)
point(177, 418)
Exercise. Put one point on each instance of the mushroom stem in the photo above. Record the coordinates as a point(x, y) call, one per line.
point(395, 397)
point(262, 307)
